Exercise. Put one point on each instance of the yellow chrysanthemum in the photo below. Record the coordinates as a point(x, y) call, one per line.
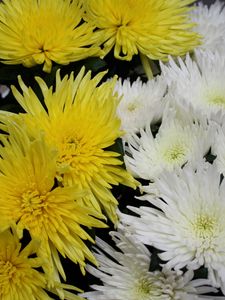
point(154, 28)
point(30, 199)
point(19, 276)
point(81, 123)
point(41, 31)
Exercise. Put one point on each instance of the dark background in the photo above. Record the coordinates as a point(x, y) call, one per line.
point(209, 1)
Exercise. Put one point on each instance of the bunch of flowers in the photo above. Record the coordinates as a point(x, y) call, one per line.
point(112, 150)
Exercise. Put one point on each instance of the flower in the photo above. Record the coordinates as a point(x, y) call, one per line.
point(125, 275)
point(36, 32)
point(152, 28)
point(30, 199)
point(187, 221)
point(210, 24)
point(199, 83)
point(20, 278)
point(81, 123)
point(180, 139)
point(140, 103)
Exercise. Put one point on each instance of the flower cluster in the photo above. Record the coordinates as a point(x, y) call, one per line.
point(112, 115)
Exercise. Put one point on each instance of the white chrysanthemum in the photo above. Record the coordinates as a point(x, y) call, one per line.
point(126, 275)
point(199, 83)
point(210, 24)
point(178, 141)
point(189, 226)
point(140, 102)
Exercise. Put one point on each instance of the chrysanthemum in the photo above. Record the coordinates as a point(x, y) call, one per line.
point(210, 24)
point(81, 123)
point(125, 275)
point(187, 222)
point(40, 32)
point(140, 103)
point(19, 279)
point(30, 199)
point(178, 141)
point(154, 28)
point(19, 275)
point(199, 83)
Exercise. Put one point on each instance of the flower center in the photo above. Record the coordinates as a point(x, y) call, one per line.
point(174, 153)
point(33, 202)
point(78, 158)
point(204, 226)
point(144, 287)
point(33, 210)
point(70, 148)
point(217, 100)
point(7, 274)
point(132, 106)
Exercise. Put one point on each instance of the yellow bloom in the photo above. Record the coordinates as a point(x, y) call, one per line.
point(81, 123)
point(36, 32)
point(30, 199)
point(19, 277)
point(154, 28)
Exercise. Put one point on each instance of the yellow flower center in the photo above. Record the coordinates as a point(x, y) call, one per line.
point(76, 155)
point(8, 274)
point(70, 148)
point(33, 210)
point(33, 203)
point(204, 226)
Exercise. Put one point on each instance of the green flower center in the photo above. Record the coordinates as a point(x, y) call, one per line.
point(144, 287)
point(217, 100)
point(174, 153)
point(132, 106)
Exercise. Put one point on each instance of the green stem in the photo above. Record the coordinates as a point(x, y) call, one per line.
point(146, 66)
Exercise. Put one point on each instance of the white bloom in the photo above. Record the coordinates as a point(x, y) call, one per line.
point(178, 141)
point(199, 83)
point(140, 102)
point(210, 24)
point(190, 226)
point(126, 275)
